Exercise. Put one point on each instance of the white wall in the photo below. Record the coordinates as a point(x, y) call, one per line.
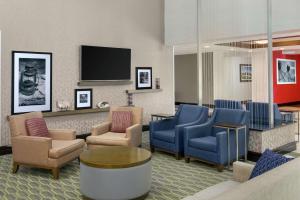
point(61, 27)
point(227, 83)
point(260, 75)
point(180, 22)
point(186, 82)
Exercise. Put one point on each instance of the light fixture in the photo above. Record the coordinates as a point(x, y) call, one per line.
point(206, 46)
point(281, 48)
point(250, 51)
point(231, 49)
point(261, 42)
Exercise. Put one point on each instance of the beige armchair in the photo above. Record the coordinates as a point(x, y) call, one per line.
point(101, 135)
point(41, 152)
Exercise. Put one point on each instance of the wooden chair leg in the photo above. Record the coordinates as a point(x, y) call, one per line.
point(220, 168)
point(55, 173)
point(15, 168)
point(152, 149)
point(187, 159)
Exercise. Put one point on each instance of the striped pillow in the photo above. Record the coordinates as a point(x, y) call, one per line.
point(121, 120)
point(37, 127)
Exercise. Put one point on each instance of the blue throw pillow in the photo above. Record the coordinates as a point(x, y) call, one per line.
point(268, 160)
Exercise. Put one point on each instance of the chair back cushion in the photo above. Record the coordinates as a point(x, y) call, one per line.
point(189, 113)
point(259, 113)
point(17, 123)
point(121, 120)
point(231, 116)
point(37, 127)
point(137, 113)
point(230, 104)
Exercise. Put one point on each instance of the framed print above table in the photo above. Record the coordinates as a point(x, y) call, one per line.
point(83, 99)
point(31, 82)
point(143, 78)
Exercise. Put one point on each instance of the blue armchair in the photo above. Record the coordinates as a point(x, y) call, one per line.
point(230, 104)
point(208, 143)
point(167, 135)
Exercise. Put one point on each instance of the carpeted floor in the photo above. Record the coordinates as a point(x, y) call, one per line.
point(171, 179)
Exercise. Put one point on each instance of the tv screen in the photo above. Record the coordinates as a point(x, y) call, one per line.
point(105, 63)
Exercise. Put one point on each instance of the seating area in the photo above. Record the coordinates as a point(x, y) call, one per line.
point(149, 100)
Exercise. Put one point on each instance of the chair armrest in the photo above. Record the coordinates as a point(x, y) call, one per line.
point(242, 171)
point(134, 133)
point(222, 146)
point(62, 134)
point(31, 150)
point(101, 128)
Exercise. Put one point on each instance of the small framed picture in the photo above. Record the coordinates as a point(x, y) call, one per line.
point(245, 73)
point(143, 78)
point(31, 82)
point(83, 99)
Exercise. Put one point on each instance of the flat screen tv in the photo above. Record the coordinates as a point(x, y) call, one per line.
point(105, 63)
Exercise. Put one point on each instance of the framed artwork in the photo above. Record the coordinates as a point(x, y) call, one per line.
point(83, 99)
point(31, 82)
point(245, 72)
point(286, 71)
point(143, 78)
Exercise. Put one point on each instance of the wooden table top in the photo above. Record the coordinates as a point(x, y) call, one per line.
point(115, 157)
point(289, 109)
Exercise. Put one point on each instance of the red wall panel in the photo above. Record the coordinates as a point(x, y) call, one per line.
point(290, 92)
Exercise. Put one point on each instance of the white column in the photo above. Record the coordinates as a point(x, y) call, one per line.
point(200, 85)
point(270, 62)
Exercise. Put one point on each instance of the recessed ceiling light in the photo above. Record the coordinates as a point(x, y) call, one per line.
point(250, 51)
point(231, 49)
point(261, 42)
point(281, 48)
point(206, 46)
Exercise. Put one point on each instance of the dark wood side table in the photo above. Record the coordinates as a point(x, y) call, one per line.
point(236, 128)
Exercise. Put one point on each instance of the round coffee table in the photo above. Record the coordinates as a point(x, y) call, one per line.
point(115, 173)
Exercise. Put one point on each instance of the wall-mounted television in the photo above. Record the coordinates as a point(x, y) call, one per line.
point(105, 64)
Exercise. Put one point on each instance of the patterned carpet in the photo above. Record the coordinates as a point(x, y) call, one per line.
point(171, 179)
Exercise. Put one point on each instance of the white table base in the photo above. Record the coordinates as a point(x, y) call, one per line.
point(115, 184)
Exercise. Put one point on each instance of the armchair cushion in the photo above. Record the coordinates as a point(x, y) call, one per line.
point(121, 120)
point(166, 135)
point(208, 143)
point(109, 138)
point(64, 147)
point(37, 127)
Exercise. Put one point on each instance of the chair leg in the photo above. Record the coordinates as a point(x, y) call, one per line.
point(187, 159)
point(220, 168)
point(177, 156)
point(55, 173)
point(78, 159)
point(15, 168)
point(152, 149)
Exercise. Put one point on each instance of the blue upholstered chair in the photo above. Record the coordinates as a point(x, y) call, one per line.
point(230, 104)
point(208, 143)
point(167, 135)
point(259, 115)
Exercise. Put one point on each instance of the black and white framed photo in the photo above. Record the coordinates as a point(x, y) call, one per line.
point(83, 99)
point(245, 73)
point(286, 71)
point(143, 78)
point(31, 82)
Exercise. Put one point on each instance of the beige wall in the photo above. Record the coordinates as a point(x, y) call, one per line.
point(61, 27)
point(186, 78)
